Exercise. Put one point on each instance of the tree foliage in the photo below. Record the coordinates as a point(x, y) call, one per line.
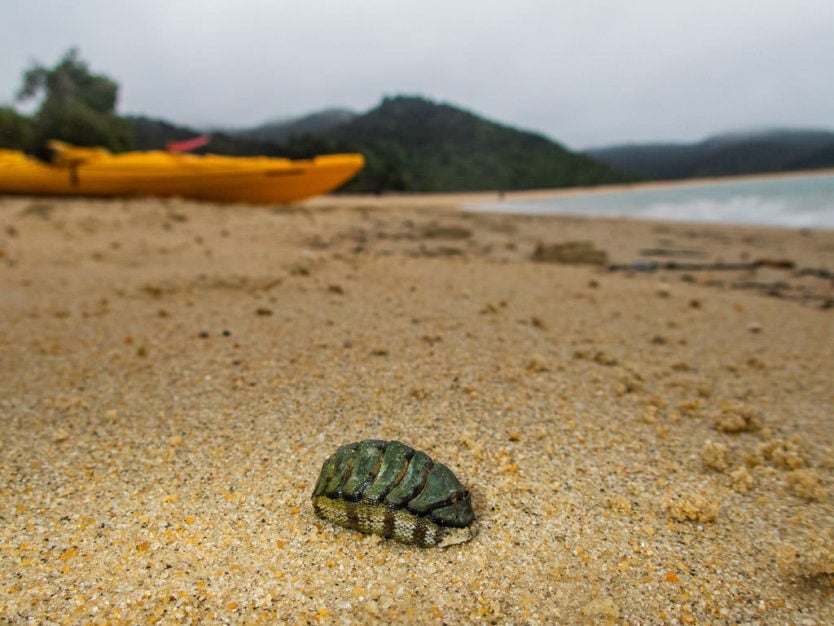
point(77, 106)
point(730, 154)
point(16, 131)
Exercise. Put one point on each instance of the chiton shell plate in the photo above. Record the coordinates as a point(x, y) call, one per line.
point(387, 488)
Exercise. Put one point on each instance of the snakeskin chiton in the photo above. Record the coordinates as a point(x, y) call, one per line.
point(389, 489)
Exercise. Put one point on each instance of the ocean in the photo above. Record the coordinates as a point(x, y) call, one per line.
point(800, 201)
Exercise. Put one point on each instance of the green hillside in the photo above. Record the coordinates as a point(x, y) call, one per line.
point(413, 144)
point(724, 155)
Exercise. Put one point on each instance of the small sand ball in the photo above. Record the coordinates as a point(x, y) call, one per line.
point(715, 455)
point(737, 418)
point(537, 363)
point(813, 557)
point(827, 457)
point(693, 506)
point(742, 480)
point(806, 483)
point(60, 435)
point(784, 453)
point(818, 558)
point(620, 504)
point(603, 609)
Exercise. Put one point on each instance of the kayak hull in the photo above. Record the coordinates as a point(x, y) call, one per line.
point(95, 172)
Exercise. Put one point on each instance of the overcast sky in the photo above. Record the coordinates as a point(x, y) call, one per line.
point(586, 73)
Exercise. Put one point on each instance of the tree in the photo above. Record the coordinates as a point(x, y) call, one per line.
point(78, 107)
point(16, 131)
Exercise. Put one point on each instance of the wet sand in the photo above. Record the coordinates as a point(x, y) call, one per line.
point(641, 446)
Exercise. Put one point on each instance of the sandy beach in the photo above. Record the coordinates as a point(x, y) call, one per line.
point(648, 444)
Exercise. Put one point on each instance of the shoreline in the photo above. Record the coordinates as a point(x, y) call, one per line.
point(459, 199)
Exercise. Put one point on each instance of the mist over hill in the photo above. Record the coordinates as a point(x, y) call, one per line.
point(729, 154)
point(279, 131)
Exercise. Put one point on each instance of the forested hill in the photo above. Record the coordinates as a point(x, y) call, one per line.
point(410, 144)
point(724, 155)
point(413, 144)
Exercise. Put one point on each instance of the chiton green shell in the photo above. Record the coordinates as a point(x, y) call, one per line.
point(389, 489)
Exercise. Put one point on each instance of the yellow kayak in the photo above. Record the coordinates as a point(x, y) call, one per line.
point(96, 172)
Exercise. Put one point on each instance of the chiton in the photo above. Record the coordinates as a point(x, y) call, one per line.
point(387, 488)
